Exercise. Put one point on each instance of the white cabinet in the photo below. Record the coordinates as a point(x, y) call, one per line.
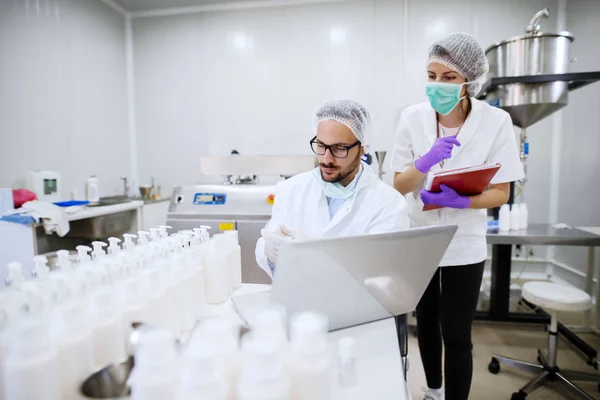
point(154, 214)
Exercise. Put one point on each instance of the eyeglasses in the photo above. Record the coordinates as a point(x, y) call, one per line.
point(336, 150)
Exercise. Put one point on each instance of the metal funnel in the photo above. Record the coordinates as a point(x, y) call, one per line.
point(529, 103)
point(380, 155)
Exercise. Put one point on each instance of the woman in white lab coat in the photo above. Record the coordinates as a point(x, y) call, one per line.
point(453, 130)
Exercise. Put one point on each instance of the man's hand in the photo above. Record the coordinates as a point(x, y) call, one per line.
point(292, 233)
point(273, 243)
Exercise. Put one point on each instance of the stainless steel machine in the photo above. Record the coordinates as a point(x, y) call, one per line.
point(240, 203)
point(529, 77)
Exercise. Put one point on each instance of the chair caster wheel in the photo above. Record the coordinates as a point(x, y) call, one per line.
point(518, 396)
point(494, 366)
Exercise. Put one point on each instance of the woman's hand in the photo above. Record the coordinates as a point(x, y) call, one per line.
point(440, 151)
point(446, 198)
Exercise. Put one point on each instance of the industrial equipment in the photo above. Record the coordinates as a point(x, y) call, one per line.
point(240, 204)
point(529, 77)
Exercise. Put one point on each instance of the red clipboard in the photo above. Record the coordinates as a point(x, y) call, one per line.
point(468, 181)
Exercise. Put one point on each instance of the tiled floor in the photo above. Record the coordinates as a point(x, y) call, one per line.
point(519, 342)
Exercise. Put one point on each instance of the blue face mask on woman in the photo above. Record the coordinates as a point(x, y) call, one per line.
point(443, 97)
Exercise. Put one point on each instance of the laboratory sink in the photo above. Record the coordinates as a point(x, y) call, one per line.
point(111, 201)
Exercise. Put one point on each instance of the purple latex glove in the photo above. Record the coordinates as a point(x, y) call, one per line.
point(441, 150)
point(446, 198)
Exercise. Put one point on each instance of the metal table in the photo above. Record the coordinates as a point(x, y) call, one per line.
point(536, 234)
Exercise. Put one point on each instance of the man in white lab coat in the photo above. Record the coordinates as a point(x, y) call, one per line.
point(341, 197)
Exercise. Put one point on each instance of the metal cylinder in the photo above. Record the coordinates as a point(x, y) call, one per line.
point(532, 54)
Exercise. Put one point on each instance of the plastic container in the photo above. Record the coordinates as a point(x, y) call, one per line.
point(270, 326)
point(524, 216)
point(30, 369)
point(235, 261)
point(172, 298)
point(155, 374)
point(83, 255)
point(11, 306)
point(92, 191)
point(73, 337)
point(515, 218)
point(263, 374)
point(14, 275)
point(98, 250)
point(504, 218)
point(200, 375)
point(218, 283)
point(197, 281)
point(158, 309)
point(346, 364)
point(135, 306)
point(184, 287)
point(310, 361)
point(218, 338)
point(64, 263)
point(108, 334)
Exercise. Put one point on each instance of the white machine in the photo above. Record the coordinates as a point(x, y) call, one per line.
point(45, 184)
point(239, 203)
point(353, 280)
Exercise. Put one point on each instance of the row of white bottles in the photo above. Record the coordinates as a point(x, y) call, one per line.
point(212, 365)
point(513, 218)
point(86, 308)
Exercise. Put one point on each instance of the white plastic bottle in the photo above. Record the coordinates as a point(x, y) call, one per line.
point(155, 374)
point(158, 309)
point(91, 189)
point(263, 374)
point(310, 360)
point(219, 339)
point(113, 245)
point(218, 284)
point(135, 306)
point(198, 291)
point(30, 370)
point(98, 252)
point(83, 255)
point(347, 376)
point(270, 326)
point(107, 325)
point(171, 297)
point(235, 261)
point(504, 218)
point(128, 241)
point(73, 337)
point(201, 378)
point(14, 275)
point(515, 221)
point(11, 307)
point(184, 287)
point(225, 249)
point(524, 216)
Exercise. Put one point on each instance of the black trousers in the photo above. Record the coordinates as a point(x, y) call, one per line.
point(446, 311)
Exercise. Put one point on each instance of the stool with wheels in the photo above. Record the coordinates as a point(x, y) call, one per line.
point(552, 298)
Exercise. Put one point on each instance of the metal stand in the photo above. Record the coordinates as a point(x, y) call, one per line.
point(547, 370)
point(402, 332)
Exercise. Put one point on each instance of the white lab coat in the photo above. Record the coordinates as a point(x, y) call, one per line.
point(486, 136)
point(300, 204)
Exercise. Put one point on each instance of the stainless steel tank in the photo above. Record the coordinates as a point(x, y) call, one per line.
point(534, 53)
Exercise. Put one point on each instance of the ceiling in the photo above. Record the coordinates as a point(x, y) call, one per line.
point(144, 5)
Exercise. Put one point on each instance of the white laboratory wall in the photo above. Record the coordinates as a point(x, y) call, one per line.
point(249, 79)
point(63, 92)
point(580, 163)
